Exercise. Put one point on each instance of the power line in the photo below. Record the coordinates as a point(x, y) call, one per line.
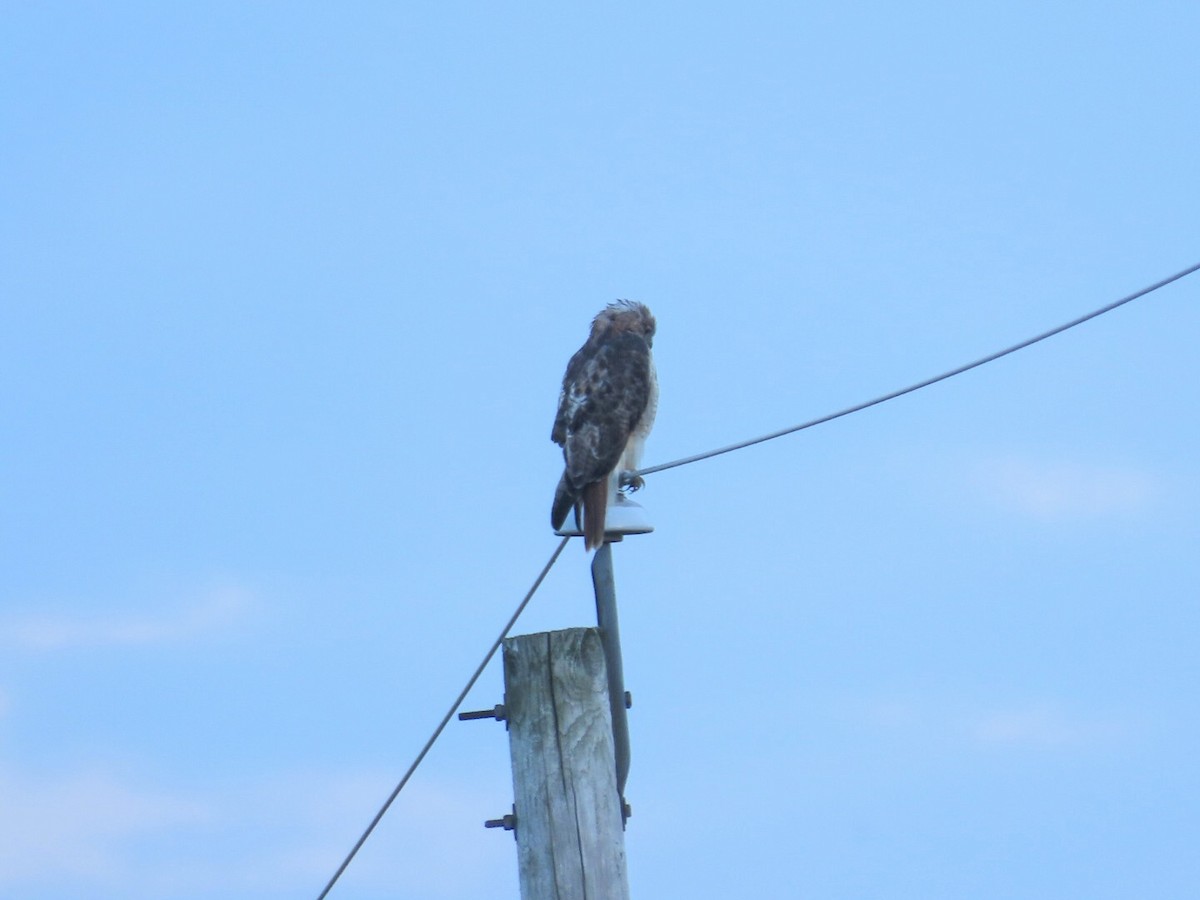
point(687, 460)
point(449, 713)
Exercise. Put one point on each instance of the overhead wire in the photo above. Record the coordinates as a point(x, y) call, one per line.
point(687, 460)
point(449, 714)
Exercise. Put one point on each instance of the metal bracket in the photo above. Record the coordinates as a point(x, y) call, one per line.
point(610, 639)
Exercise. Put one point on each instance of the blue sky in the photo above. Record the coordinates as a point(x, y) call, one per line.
point(287, 296)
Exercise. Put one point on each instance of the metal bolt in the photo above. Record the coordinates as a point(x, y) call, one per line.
point(508, 822)
point(628, 700)
point(499, 713)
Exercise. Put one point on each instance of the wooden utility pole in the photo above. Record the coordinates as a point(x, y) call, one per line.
point(569, 823)
point(565, 704)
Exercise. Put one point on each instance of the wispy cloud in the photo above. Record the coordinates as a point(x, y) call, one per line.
point(102, 834)
point(217, 610)
point(73, 825)
point(1041, 725)
point(1029, 724)
point(1055, 490)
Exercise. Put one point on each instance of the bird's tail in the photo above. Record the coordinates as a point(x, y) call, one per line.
point(595, 506)
point(564, 500)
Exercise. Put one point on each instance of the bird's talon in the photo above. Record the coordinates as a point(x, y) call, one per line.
point(631, 482)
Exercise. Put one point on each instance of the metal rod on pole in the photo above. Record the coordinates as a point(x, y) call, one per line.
point(610, 639)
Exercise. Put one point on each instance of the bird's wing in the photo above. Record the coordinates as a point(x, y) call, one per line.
point(600, 405)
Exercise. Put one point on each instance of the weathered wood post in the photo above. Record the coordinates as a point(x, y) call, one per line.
point(564, 704)
point(569, 826)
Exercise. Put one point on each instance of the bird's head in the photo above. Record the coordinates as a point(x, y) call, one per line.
point(622, 316)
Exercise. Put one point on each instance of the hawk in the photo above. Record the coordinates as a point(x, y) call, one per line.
point(605, 411)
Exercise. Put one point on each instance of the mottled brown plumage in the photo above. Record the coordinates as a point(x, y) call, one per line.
point(606, 409)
